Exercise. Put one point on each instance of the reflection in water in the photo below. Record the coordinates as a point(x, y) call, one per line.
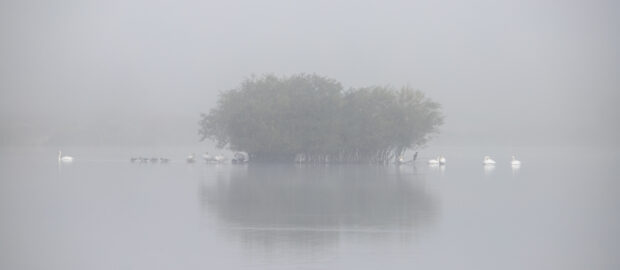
point(315, 205)
point(488, 168)
point(515, 169)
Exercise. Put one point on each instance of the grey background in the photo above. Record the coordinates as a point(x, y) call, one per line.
point(140, 72)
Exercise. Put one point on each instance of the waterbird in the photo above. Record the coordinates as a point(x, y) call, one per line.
point(238, 158)
point(434, 161)
point(442, 160)
point(207, 157)
point(219, 158)
point(515, 162)
point(415, 156)
point(164, 160)
point(488, 161)
point(191, 158)
point(64, 158)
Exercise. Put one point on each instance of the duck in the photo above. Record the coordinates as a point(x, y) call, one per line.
point(488, 161)
point(62, 158)
point(515, 162)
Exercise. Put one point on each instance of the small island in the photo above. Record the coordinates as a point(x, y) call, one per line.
point(312, 119)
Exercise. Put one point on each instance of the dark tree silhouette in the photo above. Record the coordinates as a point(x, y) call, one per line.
point(310, 118)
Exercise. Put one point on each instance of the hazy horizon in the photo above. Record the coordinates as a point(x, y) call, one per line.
point(141, 72)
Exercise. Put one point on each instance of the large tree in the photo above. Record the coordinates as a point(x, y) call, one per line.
point(312, 119)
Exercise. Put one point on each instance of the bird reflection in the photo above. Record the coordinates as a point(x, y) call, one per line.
point(313, 205)
point(515, 169)
point(488, 168)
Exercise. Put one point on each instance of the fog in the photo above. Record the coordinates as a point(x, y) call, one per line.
point(141, 72)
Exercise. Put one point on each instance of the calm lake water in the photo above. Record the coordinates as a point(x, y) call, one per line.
point(560, 210)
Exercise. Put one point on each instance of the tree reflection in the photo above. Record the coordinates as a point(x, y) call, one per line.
point(283, 203)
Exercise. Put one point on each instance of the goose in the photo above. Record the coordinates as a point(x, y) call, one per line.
point(488, 161)
point(515, 162)
point(442, 160)
point(434, 161)
point(65, 158)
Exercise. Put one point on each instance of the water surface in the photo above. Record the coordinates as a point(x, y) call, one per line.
point(559, 210)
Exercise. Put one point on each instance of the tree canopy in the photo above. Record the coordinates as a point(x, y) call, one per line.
point(310, 118)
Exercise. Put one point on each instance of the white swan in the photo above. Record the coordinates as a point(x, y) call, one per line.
point(207, 157)
point(219, 158)
point(488, 161)
point(515, 162)
point(191, 158)
point(434, 161)
point(442, 160)
point(65, 158)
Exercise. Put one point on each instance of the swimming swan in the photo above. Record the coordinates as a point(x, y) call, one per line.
point(207, 157)
point(219, 158)
point(488, 161)
point(442, 160)
point(515, 162)
point(191, 158)
point(434, 161)
point(65, 158)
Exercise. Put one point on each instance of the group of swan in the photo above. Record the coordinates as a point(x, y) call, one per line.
point(207, 158)
point(488, 161)
point(440, 160)
point(210, 159)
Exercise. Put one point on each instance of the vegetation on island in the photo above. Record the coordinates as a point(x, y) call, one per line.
point(310, 118)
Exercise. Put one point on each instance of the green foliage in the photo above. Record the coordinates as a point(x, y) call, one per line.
point(310, 118)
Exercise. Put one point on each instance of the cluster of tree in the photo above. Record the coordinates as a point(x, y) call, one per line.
point(310, 118)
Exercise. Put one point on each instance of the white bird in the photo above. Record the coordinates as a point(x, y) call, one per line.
point(434, 161)
point(219, 158)
point(207, 157)
point(515, 162)
point(191, 158)
point(488, 161)
point(65, 158)
point(442, 160)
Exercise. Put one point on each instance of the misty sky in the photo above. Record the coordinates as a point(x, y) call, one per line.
point(525, 72)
